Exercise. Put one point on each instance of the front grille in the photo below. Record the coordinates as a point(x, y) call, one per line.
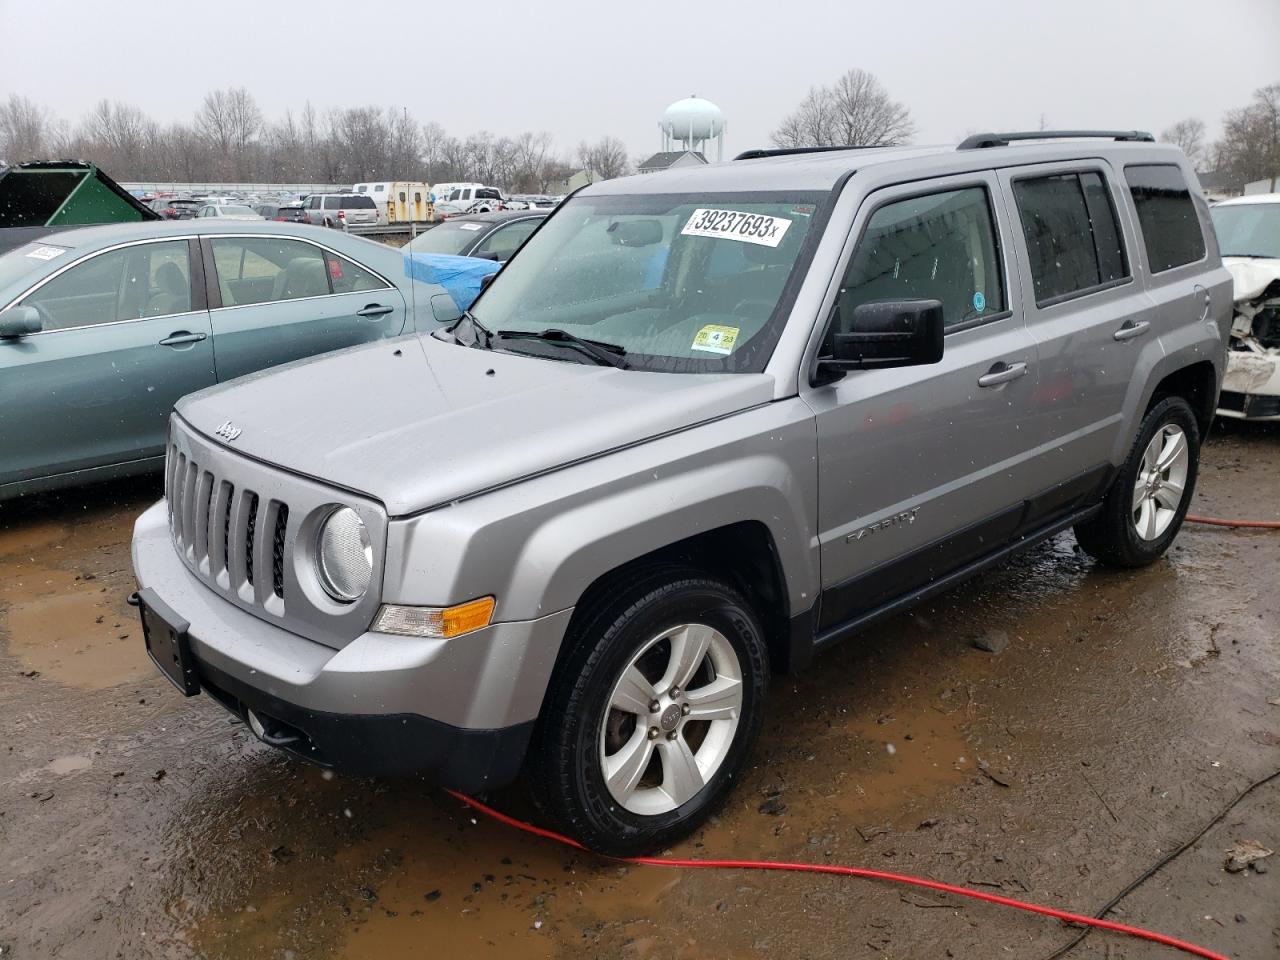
point(214, 524)
point(240, 525)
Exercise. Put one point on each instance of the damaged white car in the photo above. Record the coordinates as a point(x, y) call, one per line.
point(1249, 236)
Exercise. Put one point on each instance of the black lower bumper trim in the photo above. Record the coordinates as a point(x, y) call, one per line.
point(377, 745)
point(1249, 404)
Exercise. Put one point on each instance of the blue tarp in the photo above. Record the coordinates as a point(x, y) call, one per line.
point(461, 276)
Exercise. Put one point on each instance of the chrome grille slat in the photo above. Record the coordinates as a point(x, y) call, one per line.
point(236, 540)
point(204, 497)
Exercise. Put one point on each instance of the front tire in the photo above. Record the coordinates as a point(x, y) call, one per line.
point(1143, 510)
point(650, 720)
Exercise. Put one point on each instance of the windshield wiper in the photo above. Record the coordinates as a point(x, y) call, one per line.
point(606, 354)
point(481, 336)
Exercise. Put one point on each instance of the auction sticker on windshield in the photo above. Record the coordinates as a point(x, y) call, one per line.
point(715, 338)
point(737, 225)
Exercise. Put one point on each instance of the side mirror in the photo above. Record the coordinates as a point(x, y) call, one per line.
point(486, 280)
point(19, 322)
point(886, 333)
point(486, 255)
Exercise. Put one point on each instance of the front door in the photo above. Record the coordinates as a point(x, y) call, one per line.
point(924, 469)
point(125, 335)
point(276, 299)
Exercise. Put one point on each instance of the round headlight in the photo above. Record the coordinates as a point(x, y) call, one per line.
point(345, 555)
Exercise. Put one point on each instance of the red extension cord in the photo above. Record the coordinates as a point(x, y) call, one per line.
point(1063, 915)
point(1215, 522)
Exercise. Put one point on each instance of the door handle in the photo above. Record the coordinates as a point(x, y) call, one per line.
point(181, 337)
point(1131, 329)
point(374, 310)
point(1003, 373)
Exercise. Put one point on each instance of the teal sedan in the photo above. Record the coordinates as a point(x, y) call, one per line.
point(102, 328)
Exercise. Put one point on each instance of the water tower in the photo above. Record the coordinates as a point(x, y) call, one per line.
point(691, 122)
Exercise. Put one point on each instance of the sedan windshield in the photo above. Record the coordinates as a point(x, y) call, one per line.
point(1248, 229)
point(234, 210)
point(680, 283)
point(449, 237)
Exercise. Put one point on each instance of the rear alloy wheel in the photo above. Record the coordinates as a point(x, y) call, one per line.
point(650, 718)
point(1143, 510)
point(1161, 481)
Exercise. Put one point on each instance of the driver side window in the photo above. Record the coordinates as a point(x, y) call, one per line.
point(144, 280)
point(941, 246)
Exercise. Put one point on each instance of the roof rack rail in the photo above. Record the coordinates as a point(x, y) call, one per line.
point(980, 141)
point(788, 151)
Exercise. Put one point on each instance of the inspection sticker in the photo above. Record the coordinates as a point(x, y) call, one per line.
point(471, 226)
point(714, 338)
point(46, 253)
point(736, 225)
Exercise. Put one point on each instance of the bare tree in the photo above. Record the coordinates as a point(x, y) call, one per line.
point(1250, 146)
point(606, 158)
point(230, 120)
point(24, 131)
point(854, 111)
point(1188, 136)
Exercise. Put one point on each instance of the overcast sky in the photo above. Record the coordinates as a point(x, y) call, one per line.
point(580, 69)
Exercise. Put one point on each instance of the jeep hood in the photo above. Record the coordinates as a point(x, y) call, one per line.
point(416, 422)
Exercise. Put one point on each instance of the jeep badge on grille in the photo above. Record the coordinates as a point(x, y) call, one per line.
point(228, 431)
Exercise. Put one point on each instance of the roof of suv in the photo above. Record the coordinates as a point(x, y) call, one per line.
point(823, 170)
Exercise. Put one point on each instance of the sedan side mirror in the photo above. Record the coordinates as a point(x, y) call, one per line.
point(886, 333)
point(19, 322)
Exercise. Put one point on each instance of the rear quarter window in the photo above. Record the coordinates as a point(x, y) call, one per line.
point(1167, 215)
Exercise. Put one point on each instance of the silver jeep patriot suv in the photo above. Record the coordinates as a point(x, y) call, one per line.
point(705, 424)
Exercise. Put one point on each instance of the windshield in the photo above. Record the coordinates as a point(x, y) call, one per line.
point(451, 238)
point(234, 208)
point(1248, 229)
point(681, 283)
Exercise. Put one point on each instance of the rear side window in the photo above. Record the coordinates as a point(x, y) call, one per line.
point(347, 277)
point(1167, 215)
point(1074, 243)
point(331, 203)
point(937, 247)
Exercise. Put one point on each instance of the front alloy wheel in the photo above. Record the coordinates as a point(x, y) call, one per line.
point(650, 718)
point(672, 717)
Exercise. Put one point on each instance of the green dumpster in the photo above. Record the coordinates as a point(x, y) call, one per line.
point(63, 193)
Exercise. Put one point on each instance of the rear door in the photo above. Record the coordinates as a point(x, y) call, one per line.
point(275, 299)
point(1090, 319)
point(126, 334)
point(924, 469)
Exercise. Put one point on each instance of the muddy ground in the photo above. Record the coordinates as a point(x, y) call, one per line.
point(1125, 710)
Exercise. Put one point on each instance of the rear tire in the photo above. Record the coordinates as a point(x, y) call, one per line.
point(649, 721)
point(1143, 510)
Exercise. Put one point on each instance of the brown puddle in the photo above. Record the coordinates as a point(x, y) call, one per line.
point(67, 619)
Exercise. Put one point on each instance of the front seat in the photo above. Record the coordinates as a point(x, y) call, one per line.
point(303, 277)
point(173, 294)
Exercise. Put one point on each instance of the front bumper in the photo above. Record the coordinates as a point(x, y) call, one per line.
point(460, 711)
point(1251, 387)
